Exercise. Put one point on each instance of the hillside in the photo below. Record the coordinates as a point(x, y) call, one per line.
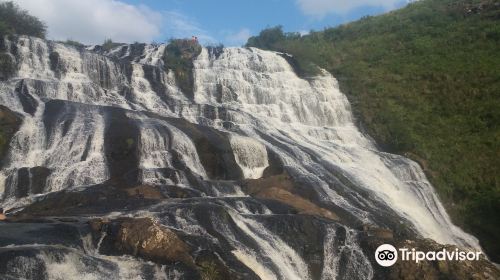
point(424, 82)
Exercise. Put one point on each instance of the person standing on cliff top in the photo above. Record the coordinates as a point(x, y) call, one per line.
point(2, 215)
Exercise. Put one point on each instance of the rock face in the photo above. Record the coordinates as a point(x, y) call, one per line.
point(9, 124)
point(218, 164)
point(280, 188)
point(143, 237)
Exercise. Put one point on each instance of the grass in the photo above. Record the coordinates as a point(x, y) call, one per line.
point(424, 81)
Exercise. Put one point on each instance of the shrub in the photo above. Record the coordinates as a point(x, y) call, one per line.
point(297, 54)
point(178, 57)
point(74, 43)
point(209, 271)
point(109, 45)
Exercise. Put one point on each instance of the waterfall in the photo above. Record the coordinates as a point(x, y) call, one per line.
point(314, 118)
point(346, 260)
point(250, 155)
point(87, 117)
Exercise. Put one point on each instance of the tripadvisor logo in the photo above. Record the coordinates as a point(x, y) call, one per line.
point(387, 255)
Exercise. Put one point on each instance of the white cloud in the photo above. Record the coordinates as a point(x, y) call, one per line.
point(239, 38)
point(91, 21)
point(320, 8)
point(304, 32)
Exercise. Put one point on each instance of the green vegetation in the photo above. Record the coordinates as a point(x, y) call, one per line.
point(209, 271)
point(274, 39)
point(425, 82)
point(14, 20)
point(109, 45)
point(178, 57)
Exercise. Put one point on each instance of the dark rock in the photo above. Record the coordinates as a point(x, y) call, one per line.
point(281, 188)
point(142, 237)
point(55, 63)
point(121, 142)
point(304, 234)
point(9, 124)
point(22, 264)
point(36, 231)
point(214, 150)
point(7, 66)
point(27, 101)
point(103, 198)
point(31, 180)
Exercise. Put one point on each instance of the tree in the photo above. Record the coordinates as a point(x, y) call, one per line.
point(267, 38)
point(14, 20)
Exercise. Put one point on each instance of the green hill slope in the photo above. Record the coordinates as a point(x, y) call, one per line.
point(425, 82)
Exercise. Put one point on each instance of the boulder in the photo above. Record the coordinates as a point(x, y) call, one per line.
point(280, 188)
point(141, 237)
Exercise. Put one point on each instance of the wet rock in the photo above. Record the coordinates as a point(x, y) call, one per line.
point(145, 238)
point(40, 231)
point(121, 144)
point(7, 66)
point(304, 234)
point(27, 101)
point(280, 188)
point(30, 181)
point(142, 237)
point(56, 64)
point(95, 199)
point(145, 191)
point(214, 150)
point(22, 264)
point(9, 124)
point(376, 232)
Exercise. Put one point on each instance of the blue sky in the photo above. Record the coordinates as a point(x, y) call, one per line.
point(225, 21)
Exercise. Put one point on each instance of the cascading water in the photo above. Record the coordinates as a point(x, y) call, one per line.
point(87, 117)
point(313, 120)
